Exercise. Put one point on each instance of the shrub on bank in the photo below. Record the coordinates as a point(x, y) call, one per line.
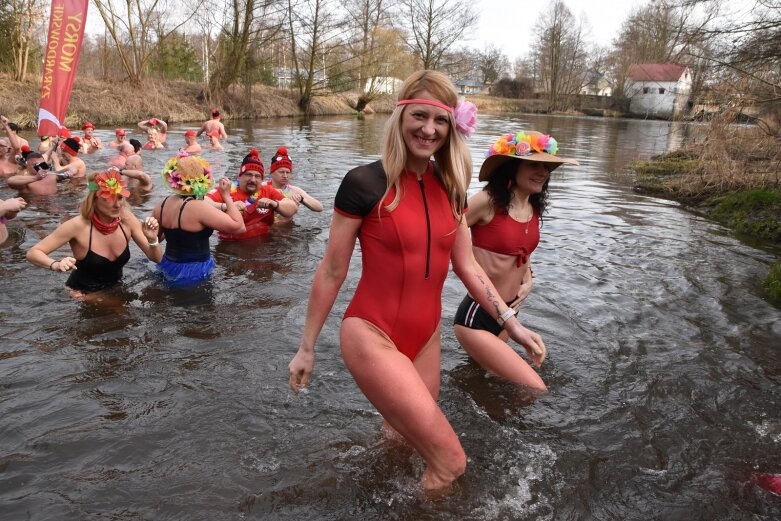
point(773, 282)
point(752, 212)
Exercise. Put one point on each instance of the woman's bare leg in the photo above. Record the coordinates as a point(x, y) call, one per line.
point(394, 386)
point(498, 358)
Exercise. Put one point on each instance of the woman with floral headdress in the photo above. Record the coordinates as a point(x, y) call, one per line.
point(99, 237)
point(505, 219)
point(187, 221)
point(406, 211)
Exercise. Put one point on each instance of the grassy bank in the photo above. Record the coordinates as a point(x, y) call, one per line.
point(119, 103)
point(733, 175)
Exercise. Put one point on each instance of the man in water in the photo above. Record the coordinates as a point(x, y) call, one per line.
point(140, 181)
point(191, 144)
point(212, 126)
point(120, 160)
point(65, 159)
point(119, 138)
point(38, 177)
point(90, 143)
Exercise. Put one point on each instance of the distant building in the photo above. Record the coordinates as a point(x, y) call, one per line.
point(596, 84)
point(467, 87)
point(286, 78)
point(659, 90)
point(383, 85)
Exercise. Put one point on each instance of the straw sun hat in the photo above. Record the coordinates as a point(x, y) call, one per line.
point(529, 146)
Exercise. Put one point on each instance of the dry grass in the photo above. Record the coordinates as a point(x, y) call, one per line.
point(726, 158)
point(121, 103)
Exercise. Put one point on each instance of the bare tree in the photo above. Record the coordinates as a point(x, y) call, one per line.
point(249, 24)
point(313, 29)
point(492, 64)
point(434, 26)
point(20, 20)
point(364, 21)
point(561, 57)
point(131, 25)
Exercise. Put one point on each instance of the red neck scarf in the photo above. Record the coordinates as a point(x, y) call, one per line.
point(105, 229)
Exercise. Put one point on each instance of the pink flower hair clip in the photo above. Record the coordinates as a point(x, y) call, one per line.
point(465, 115)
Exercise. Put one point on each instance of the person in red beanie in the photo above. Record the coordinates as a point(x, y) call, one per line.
point(157, 124)
point(280, 172)
point(214, 140)
point(66, 159)
point(90, 143)
point(191, 143)
point(213, 125)
point(257, 202)
point(119, 139)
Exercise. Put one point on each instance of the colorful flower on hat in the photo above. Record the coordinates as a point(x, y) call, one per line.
point(188, 183)
point(523, 144)
point(109, 185)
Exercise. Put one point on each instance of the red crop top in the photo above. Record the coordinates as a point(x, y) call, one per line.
point(507, 236)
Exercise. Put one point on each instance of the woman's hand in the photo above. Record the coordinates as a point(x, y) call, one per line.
point(66, 264)
point(150, 227)
point(530, 341)
point(240, 205)
point(300, 368)
point(523, 291)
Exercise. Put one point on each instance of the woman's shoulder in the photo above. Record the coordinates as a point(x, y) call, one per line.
point(361, 188)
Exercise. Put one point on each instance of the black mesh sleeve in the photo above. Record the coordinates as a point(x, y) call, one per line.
point(361, 189)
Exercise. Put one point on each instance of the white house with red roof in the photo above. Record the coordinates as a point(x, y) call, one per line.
point(658, 90)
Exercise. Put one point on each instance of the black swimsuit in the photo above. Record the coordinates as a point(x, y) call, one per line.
point(95, 272)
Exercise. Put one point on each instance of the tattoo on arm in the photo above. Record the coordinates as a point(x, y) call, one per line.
point(492, 298)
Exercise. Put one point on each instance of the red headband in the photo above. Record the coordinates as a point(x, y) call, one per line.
point(425, 102)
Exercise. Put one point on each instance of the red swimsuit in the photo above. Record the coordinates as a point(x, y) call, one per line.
point(405, 253)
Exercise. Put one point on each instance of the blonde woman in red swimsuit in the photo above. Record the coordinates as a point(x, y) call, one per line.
point(406, 211)
point(505, 219)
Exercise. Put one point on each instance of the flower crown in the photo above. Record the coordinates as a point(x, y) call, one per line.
point(188, 175)
point(523, 144)
point(109, 185)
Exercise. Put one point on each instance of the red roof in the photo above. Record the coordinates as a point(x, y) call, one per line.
point(655, 72)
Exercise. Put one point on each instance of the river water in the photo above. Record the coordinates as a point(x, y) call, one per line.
point(663, 364)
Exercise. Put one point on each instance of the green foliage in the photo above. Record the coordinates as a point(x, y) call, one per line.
point(773, 282)
point(754, 212)
point(176, 59)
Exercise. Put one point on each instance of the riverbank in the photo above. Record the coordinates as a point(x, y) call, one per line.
point(732, 176)
point(119, 103)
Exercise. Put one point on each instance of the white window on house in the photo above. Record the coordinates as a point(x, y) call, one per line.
point(645, 90)
point(661, 90)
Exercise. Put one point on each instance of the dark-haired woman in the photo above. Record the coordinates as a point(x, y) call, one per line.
point(505, 219)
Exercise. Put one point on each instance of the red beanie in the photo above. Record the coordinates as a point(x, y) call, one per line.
point(281, 160)
point(252, 162)
point(71, 145)
point(86, 125)
point(64, 133)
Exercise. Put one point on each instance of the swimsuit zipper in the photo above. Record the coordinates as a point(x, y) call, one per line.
point(428, 225)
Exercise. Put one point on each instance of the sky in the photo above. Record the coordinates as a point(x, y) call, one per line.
point(500, 26)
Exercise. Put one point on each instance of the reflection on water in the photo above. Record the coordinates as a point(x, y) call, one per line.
point(158, 404)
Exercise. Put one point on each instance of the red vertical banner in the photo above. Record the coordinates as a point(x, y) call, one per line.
point(60, 60)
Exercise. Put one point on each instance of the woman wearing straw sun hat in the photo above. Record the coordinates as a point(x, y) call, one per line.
point(505, 219)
